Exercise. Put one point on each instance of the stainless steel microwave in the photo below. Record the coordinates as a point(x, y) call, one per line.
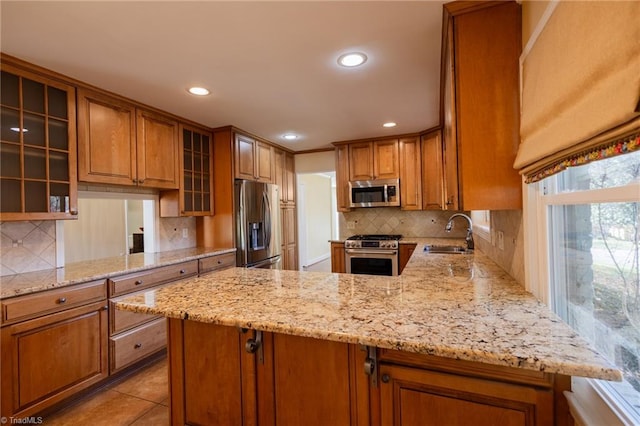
point(374, 193)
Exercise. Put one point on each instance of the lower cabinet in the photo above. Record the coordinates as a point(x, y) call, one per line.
point(337, 257)
point(49, 358)
point(405, 252)
point(229, 376)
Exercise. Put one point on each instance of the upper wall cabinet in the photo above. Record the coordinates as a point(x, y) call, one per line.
point(37, 147)
point(342, 178)
point(124, 145)
point(432, 172)
point(480, 107)
point(374, 160)
point(410, 174)
point(195, 196)
point(254, 159)
point(285, 176)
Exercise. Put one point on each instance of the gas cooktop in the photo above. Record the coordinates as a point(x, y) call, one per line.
point(374, 237)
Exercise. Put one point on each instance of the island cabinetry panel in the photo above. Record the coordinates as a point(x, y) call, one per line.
point(481, 104)
point(55, 354)
point(195, 196)
point(135, 336)
point(119, 143)
point(254, 159)
point(374, 160)
point(286, 380)
point(37, 145)
point(338, 262)
point(405, 252)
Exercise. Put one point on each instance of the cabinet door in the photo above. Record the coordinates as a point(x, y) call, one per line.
point(157, 151)
point(317, 382)
point(38, 147)
point(290, 177)
point(450, 155)
point(337, 258)
point(432, 172)
point(244, 157)
point(50, 358)
point(264, 162)
point(386, 164)
point(410, 174)
point(342, 178)
point(410, 396)
point(279, 172)
point(406, 250)
point(106, 139)
point(361, 161)
point(289, 245)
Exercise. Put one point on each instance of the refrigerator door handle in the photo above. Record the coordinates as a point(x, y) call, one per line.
point(266, 207)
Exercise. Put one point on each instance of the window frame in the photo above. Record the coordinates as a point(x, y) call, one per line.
point(590, 401)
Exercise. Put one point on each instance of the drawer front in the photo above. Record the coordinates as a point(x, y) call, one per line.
point(216, 263)
point(131, 346)
point(120, 321)
point(50, 301)
point(132, 282)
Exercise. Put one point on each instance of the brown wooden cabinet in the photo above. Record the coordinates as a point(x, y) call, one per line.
point(61, 350)
point(37, 146)
point(343, 198)
point(374, 160)
point(480, 105)
point(289, 240)
point(285, 176)
point(432, 172)
point(216, 263)
point(410, 174)
point(254, 159)
point(195, 196)
point(337, 257)
point(124, 145)
point(404, 254)
point(288, 380)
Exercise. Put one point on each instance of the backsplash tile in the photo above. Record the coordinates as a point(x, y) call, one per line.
point(511, 259)
point(386, 220)
point(170, 235)
point(27, 246)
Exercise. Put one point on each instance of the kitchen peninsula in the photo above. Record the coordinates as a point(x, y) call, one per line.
point(453, 339)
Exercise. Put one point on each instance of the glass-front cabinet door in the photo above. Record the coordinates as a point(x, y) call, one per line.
point(37, 147)
point(196, 172)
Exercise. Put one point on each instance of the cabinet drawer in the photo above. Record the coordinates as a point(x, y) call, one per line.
point(133, 345)
point(215, 263)
point(50, 301)
point(120, 321)
point(137, 281)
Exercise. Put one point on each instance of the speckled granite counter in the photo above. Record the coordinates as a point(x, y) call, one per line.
point(456, 306)
point(19, 284)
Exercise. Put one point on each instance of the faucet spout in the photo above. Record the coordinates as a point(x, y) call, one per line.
point(469, 237)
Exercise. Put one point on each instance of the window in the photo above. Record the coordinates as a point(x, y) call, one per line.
point(584, 225)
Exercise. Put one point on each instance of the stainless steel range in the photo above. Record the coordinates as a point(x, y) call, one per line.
point(372, 254)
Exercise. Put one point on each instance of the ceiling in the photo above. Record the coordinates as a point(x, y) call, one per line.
point(271, 66)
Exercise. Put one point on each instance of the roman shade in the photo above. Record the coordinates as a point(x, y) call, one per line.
point(580, 87)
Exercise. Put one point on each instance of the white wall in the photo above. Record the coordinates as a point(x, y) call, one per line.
point(317, 217)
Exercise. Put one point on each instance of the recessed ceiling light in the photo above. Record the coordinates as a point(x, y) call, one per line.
point(199, 91)
point(352, 59)
point(290, 136)
point(389, 124)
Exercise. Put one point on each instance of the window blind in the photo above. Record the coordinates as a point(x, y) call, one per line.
point(580, 87)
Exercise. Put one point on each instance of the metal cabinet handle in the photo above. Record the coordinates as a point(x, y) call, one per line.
point(137, 346)
point(141, 181)
point(370, 364)
point(254, 346)
point(138, 282)
point(182, 271)
point(74, 212)
point(62, 300)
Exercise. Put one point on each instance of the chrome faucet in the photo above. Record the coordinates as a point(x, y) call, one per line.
point(469, 237)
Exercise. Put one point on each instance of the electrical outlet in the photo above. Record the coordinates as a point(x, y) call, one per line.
point(185, 232)
point(501, 240)
point(351, 225)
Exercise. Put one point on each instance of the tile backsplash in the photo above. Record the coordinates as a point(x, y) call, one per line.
point(27, 246)
point(385, 220)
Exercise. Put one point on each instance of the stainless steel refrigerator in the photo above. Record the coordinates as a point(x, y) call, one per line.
point(257, 225)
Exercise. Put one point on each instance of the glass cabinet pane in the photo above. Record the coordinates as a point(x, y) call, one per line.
point(188, 181)
point(35, 163)
point(10, 200)
point(197, 201)
point(32, 96)
point(10, 125)
point(58, 136)
point(10, 160)
point(57, 102)
point(197, 162)
point(58, 166)
point(9, 90)
point(186, 138)
point(35, 196)
point(34, 133)
point(188, 161)
point(188, 201)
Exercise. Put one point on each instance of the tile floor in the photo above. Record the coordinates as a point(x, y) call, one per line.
point(138, 400)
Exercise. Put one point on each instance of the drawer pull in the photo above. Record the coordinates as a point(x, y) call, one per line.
point(62, 300)
point(138, 282)
point(219, 262)
point(182, 271)
point(137, 346)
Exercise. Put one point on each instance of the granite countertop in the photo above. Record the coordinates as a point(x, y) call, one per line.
point(79, 272)
point(460, 306)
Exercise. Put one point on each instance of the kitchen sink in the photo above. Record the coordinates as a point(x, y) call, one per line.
point(446, 249)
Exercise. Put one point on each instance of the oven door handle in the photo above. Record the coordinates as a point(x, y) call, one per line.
point(378, 252)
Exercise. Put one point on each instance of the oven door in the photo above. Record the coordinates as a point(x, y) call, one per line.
point(371, 262)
